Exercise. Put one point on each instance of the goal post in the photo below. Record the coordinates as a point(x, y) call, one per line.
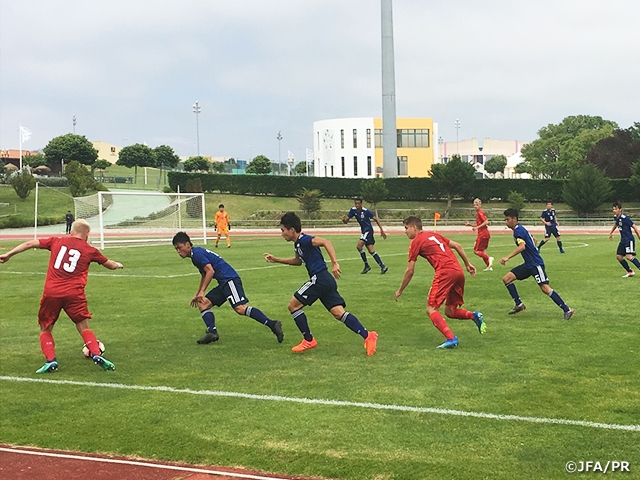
point(127, 216)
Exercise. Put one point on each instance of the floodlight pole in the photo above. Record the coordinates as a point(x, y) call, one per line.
point(457, 124)
point(389, 126)
point(197, 110)
point(279, 137)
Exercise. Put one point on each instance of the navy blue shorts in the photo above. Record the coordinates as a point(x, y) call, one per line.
point(626, 247)
point(524, 271)
point(367, 238)
point(321, 286)
point(231, 291)
point(548, 231)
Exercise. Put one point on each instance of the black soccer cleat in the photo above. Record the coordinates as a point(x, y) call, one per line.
point(277, 330)
point(517, 309)
point(209, 337)
point(366, 269)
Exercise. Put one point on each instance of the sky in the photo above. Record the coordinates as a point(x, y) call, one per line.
point(130, 71)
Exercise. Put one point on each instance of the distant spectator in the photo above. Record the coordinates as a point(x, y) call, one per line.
point(69, 218)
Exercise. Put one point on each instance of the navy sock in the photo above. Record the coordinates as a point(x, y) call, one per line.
point(363, 256)
point(514, 293)
point(625, 265)
point(560, 245)
point(303, 325)
point(209, 319)
point(376, 257)
point(556, 298)
point(540, 244)
point(354, 324)
point(258, 316)
point(636, 262)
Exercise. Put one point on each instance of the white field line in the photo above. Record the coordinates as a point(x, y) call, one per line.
point(333, 403)
point(565, 244)
point(139, 464)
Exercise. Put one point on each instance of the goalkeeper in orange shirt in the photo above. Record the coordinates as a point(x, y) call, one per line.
point(222, 225)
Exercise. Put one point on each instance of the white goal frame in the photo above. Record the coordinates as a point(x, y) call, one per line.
point(182, 197)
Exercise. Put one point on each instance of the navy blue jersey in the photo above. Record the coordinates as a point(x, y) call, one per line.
point(549, 216)
point(222, 271)
point(530, 254)
point(311, 256)
point(363, 217)
point(624, 225)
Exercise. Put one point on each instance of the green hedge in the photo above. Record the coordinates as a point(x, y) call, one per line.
point(19, 221)
point(417, 189)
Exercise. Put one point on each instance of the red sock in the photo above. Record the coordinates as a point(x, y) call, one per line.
point(441, 324)
point(461, 314)
point(484, 257)
point(91, 342)
point(48, 346)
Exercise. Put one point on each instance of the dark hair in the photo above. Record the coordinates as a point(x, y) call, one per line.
point(221, 206)
point(511, 212)
point(181, 237)
point(413, 220)
point(357, 200)
point(550, 201)
point(291, 220)
point(617, 205)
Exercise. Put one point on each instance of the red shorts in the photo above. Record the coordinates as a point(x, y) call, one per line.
point(447, 288)
point(482, 243)
point(50, 307)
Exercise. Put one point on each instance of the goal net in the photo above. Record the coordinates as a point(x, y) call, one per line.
point(126, 216)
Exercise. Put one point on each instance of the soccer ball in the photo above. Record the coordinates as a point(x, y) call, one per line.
point(87, 353)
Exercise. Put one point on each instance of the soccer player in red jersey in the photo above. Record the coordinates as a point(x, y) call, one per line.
point(448, 282)
point(482, 241)
point(64, 289)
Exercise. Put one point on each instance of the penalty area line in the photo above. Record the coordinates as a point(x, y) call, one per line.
point(67, 456)
point(334, 403)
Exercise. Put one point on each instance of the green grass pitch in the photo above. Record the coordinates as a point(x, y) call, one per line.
point(531, 365)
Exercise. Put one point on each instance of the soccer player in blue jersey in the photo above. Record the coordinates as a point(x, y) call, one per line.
point(626, 248)
point(533, 266)
point(213, 266)
point(364, 216)
point(321, 285)
point(550, 220)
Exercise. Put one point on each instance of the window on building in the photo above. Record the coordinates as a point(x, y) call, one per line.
point(413, 138)
point(369, 166)
point(378, 137)
point(402, 166)
point(355, 166)
point(342, 164)
point(113, 149)
point(341, 138)
point(332, 170)
point(355, 138)
point(369, 139)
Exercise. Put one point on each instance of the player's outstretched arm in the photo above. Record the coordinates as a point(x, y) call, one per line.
point(112, 265)
point(344, 219)
point(458, 248)
point(323, 242)
point(636, 229)
point(19, 249)
point(408, 275)
point(295, 261)
point(613, 229)
point(519, 249)
point(382, 234)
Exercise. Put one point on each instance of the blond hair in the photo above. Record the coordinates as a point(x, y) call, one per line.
point(81, 226)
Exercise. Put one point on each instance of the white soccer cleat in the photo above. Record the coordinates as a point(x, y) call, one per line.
point(490, 267)
point(630, 274)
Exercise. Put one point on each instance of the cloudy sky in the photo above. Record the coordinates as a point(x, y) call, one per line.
point(131, 70)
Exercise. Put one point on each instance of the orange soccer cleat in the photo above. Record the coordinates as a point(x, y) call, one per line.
point(370, 343)
point(305, 345)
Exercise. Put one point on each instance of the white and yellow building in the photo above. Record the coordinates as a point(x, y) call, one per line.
point(107, 151)
point(352, 147)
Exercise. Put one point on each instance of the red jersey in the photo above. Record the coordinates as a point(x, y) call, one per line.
point(435, 249)
point(481, 217)
point(68, 265)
